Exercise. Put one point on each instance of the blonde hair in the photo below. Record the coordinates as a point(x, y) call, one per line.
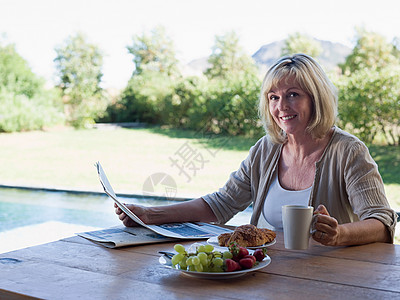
point(312, 80)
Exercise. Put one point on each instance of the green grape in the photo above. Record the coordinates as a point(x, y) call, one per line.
point(183, 265)
point(199, 268)
point(208, 248)
point(179, 248)
point(206, 264)
point(227, 255)
point(177, 258)
point(196, 260)
point(217, 269)
point(217, 254)
point(189, 261)
point(218, 262)
point(201, 248)
point(203, 258)
point(206, 259)
point(192, 268)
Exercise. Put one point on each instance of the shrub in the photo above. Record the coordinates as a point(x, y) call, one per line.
point(231, 106)
point(20, 113)
point(142, 100)
point(181, 107)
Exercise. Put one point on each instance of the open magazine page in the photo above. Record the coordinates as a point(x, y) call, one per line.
point(195, 230)
point(121, 236)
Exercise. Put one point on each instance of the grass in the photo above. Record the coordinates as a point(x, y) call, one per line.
point(388, 159)
point(64, 159)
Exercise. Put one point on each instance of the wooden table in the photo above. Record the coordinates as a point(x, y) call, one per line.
point(75, 268)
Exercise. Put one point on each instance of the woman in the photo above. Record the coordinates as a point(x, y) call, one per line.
point(303, 159)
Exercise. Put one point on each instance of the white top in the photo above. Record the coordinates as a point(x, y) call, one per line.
point(277, 196)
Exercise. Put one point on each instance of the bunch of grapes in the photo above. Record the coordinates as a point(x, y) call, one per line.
point(203, 259)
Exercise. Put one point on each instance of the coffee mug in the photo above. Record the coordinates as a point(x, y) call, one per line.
point(296, 226)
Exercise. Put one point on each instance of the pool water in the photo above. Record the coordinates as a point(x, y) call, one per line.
point(25, 207)
point(31, 217)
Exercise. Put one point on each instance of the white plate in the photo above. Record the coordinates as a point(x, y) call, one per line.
point(216, 275)
point(214, 241)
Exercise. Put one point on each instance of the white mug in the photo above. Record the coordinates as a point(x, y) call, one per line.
point(296, 226)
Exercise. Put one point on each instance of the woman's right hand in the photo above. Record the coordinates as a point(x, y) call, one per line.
point(326, 228)
point(139, 211)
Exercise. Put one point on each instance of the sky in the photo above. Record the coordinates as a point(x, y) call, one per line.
point(37, 27)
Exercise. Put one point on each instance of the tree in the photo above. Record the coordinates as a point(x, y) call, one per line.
point(372, 52)
point(156, 68)
point(15, 74)
point(370, 89)
point(79, 65)
point(24, 102)
point(301, 43)
point(228, 58)
point(396, 47)
point(228, 104)
point(154, 52)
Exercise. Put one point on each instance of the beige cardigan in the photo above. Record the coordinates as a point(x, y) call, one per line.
point(346, 181)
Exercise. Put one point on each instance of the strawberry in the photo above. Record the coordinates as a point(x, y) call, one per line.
point(230, 265)
point(259, 254)
point(233, 248)
point(246, 263)
point(243, 252)
point(237, 251)
point(252, 257)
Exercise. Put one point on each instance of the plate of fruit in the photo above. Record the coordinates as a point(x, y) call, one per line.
point(209, 262)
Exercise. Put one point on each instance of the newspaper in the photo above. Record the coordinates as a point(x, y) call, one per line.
point(121, 236)
point(188, 230)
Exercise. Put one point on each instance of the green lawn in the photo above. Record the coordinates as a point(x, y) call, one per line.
point(64, 158)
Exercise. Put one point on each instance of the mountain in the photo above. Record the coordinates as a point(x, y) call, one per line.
point(332, 55)
point(196, 67)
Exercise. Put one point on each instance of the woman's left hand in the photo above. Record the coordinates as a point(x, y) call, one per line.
point(325, 228)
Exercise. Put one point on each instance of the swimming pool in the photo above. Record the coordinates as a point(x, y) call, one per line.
point(20, 207)
point(30, 217)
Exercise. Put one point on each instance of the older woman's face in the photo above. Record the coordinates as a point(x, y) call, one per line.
point(290, 106)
